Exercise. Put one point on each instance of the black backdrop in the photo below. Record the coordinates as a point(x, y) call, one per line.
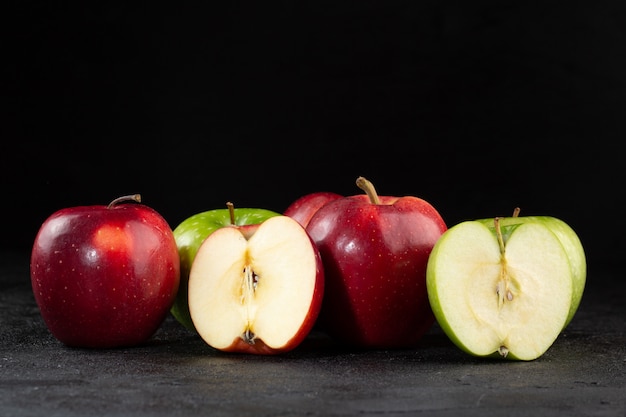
point(477, 107)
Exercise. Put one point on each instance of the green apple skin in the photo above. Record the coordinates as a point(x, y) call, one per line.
point(190, 234)
point(570, 241)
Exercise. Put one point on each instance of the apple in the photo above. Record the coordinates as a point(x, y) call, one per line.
point(506, 287)
point(375, 250)
point(104, 276)
point(570, 241)
point(304, 207)
point(190, 234)
point(256, 288)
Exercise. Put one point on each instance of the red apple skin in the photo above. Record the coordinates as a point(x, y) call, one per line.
point(259, 347)
point(104, 277)
point(375, 258)
point(303, 208)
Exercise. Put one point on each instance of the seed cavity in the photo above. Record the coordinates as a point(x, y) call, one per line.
point(249, 286)
point(503, 288)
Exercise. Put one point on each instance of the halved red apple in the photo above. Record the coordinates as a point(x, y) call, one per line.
point(256, 288)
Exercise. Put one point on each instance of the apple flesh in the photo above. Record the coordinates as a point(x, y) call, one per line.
point(501, 291)
point(256, 288)
point(571, 243)
point(375, 250)
point(303, 208)
point(190, 234)
point(104, 276)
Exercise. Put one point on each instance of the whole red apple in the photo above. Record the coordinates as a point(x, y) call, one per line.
point(303, 208)
point(105, 276)
point(375, 251)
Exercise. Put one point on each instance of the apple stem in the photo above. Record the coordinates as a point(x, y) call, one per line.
point(496, 222)
point(231, 211)
point(502, 289)
point(516, 211)
point(131, 197)
point(365, 185)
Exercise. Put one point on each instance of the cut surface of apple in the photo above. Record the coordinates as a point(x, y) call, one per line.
point(571, 243)
point(256, 288)
point(511, 303)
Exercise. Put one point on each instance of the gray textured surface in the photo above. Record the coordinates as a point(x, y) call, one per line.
point(176, 374)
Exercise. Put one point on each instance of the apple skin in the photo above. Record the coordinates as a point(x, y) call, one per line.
point(375, 258)
point(259, 347)
point(104, 276)
point(190, 234)
point(303, 208)
point(571, 243)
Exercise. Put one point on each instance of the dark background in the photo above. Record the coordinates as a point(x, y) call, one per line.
point(477, 107)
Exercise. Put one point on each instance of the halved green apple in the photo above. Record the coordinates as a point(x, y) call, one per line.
point(570, 241)
point(505, 287)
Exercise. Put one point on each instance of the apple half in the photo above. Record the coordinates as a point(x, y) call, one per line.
point(502, 291)
point(256, 288)
point(571, 243)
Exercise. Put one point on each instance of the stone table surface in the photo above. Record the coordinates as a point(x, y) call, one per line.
point(177, 374)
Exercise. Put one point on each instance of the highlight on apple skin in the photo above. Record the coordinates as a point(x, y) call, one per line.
point(304, 207)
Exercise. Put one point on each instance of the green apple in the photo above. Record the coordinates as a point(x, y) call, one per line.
point(190, 234)
point(506, 287)
point(570, 241)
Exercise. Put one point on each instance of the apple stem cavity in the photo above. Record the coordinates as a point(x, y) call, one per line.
point(366, 185)
point(131, 197)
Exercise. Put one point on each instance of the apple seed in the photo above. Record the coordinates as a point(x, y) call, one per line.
point(502, 289)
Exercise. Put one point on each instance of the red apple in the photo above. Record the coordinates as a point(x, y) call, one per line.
point(303, 208)
point(105, 276)
point(256, 288)
point(375, 251)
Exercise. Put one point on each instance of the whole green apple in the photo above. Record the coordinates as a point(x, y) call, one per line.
point(190, 234)
point(506, 287)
